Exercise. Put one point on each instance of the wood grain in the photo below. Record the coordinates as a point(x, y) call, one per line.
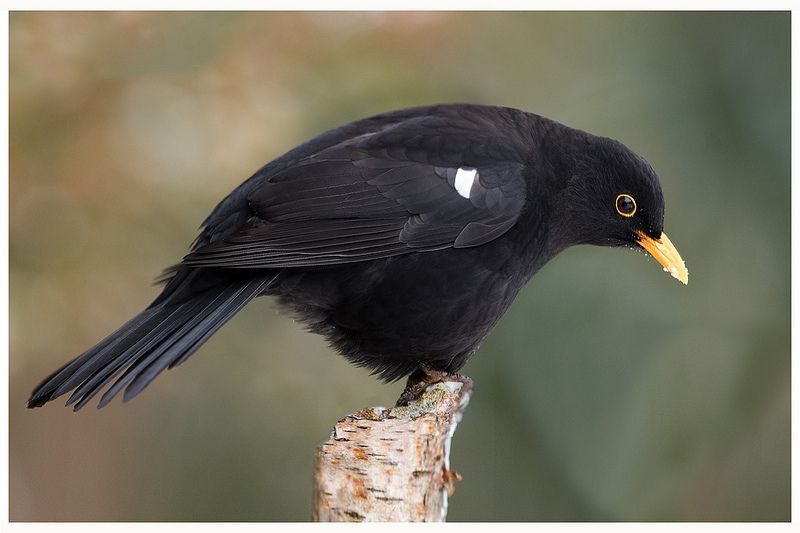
point(391, 465)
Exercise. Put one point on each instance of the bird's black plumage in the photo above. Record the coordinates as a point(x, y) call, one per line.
point(402, 238)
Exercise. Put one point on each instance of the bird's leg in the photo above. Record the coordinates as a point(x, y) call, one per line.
point(424, 376)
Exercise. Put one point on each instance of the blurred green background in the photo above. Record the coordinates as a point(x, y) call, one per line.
point(608, 392)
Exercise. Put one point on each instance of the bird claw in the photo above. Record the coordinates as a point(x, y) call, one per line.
point(422, 378)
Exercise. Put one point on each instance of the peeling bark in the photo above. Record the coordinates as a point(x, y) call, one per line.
point(391, 465)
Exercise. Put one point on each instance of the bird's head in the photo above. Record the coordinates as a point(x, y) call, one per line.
point(614, 198)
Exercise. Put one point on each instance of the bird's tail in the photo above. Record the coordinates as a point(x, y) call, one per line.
point(189, 310)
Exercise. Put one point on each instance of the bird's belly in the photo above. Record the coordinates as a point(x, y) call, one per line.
point(394, 313)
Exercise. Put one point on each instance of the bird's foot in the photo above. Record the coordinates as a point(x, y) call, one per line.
point(422, 378)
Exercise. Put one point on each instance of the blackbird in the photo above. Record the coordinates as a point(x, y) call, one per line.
point(402, 238)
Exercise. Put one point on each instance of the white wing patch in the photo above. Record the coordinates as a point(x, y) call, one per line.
point(464, 180)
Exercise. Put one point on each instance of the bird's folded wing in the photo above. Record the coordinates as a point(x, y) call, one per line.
point(365, 199)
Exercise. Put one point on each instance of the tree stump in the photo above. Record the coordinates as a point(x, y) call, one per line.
point(391, 465)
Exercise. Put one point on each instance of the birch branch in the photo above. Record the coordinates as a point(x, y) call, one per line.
point(391, 465)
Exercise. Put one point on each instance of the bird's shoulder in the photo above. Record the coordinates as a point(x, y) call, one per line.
point(423, 178)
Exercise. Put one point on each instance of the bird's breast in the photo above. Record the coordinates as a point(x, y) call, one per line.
point(430, 304)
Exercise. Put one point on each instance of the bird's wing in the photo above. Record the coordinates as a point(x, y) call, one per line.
point(377, 196)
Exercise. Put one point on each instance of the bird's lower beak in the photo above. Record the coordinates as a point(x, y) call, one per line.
point(665, 253)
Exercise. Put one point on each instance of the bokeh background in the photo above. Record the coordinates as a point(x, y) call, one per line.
point(608, 392)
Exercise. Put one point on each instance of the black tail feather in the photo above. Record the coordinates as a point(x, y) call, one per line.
point(160, 337)
point(76, 370)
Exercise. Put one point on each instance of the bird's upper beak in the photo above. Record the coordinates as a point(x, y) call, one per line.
point(666, 254)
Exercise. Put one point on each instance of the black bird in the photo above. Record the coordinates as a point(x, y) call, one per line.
point(402, 238)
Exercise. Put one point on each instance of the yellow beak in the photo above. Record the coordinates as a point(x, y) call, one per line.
point(665, 253)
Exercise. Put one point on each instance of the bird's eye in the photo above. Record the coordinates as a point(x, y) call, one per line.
point(626, 205)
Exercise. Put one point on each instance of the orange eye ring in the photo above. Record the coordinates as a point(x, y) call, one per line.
point(626, 205)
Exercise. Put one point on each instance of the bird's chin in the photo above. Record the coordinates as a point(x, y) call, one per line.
point(616, 242)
